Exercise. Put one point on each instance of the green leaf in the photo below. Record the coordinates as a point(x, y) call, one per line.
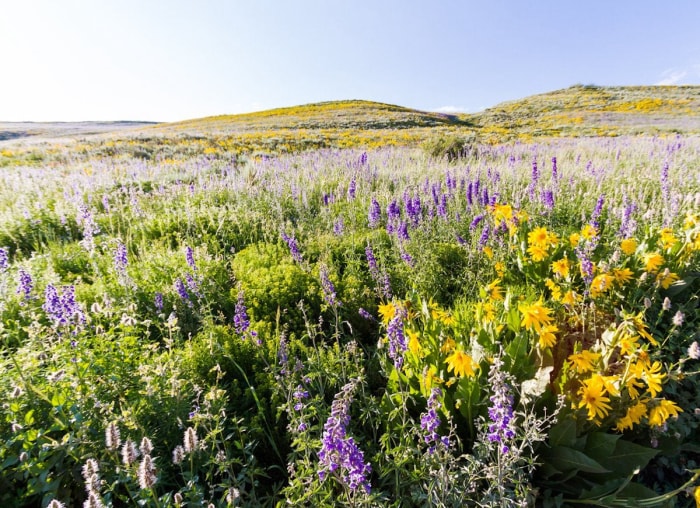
point(637, 491)
point(628, 457)
point(568, 459)
point(601, 445)
point(563, 433)
point(604, 489)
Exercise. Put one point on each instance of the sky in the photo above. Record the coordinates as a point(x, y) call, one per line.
point(169, 60)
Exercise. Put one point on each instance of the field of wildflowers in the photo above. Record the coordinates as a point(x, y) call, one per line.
point(515, 327)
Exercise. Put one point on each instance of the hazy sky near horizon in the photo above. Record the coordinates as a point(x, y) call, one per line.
point(168, 60)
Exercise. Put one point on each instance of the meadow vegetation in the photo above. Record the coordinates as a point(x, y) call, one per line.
point(496, 324)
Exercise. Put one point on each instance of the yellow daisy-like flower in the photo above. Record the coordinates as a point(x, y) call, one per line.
point(666, 278)
point(488, 251)
point(537, 253)
point(413, 343)
point(460, 363)
point(691, 220)
point(487, 311)
point(556, 290)
point(430, 378)
point(593, 398)
point(448, 345)
point(611, 385)
point(652, 261)
point(633, 416)
point(600, 284)
point(538, 236)
point(387, 311)
point(502, 212)
point(654, 378)
point(535, 315)
point(500, 269)
point(561, 268)
point(662, 412)
point(622, 275)
point(588, 232)
point(569, 298)
point(546, 336)
point(574, 239)
point(629, 344)
point(494, 290)
point(583, 361)
point(628, 246)
point(667, 239)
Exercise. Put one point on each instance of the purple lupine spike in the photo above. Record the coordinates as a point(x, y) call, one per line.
point(189, 257)
point(555, 175)
point(4, 260)
point(352, 189)
point(475, 222)
point(329, 294)
point(597, 211)
point(339, 226)
point(548, 199)
point(664, 182)
point(339, 452)
point(397, 338)
point(24, 284)
point(501, 430)
point(293, 247)
point(430, 422)
point(375, 214)
point(241, 322)
point(484, 238)
point(121, 260)
point(402, 231)
point(158, 301)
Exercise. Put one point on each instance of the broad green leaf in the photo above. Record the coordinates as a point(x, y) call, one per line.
point(568, 459)
point(637, 491)
point(628, 457)
point(604, 489)
point(601, 445)
point(563, 433)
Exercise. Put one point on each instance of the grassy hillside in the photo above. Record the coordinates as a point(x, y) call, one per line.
point(578, 111)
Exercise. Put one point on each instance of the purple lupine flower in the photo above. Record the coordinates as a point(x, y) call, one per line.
point(597, 211)
point(413, 210)
point(470, 194)
point(120, 259)
point(62, 309)
point(664, 182)
point(158, 301)
point(485, 197)
point(548, 199)
point(189, 257)
point(328, 288)
point(352, 189)
point(90, 228)
point(363, 159)
point(105, 203)
point(430, 422)
point(460, 240)
point(299, 395)
point(396, 337)
point(375, 214)
point(554, 169)
point(628, 225)
point(24, 284)
point(241, 321)
point(339, 226)
point(4, 260)
point(442, 207)
point(484, 236)
point(475, 222)
point(339, 452)
point(502, 426)
point(393, 211)
point(372, 263)
point(402, 231)
point(583, 253)
point(365, 315)
point(293, 247)
point(283, 354)
point(193, 285)
point(182, 291)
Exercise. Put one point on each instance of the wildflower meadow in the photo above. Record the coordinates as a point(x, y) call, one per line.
point(515, 325)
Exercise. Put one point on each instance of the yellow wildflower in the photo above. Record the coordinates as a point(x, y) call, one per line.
point(538, 236)
point(654, 378)
point(448, 345)
point(488, 251)
point(662, 412)
point(430, 378)
point(600, 284)
point(535, 315)
point(502, 212)
point(628, 246)
point(487, 311)
point(547, 337)
point(500, 269)
point(588, 232)
point(537, 253)
point(622, 275)
point(387, 311)
point(583, 361)
point(460, 363)
point(569, 298)
point(574, 239)
point(652, 261)
point(633, 416)
point(628, 344)
point(593, 398)
point(666, 278)
point(413, 342)
point(667, 239)
point(494, 291)
point(556, 290)
point(561, 268)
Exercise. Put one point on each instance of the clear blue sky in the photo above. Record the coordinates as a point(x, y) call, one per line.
point(175, 59)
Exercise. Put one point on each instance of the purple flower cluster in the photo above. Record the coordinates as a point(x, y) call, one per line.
point(158, 301)
point(189, 257)
point(328, 288)
point(396, 337)
point(597, 211)
point(24, 284)
point(182, 291)
point(339, 452)
point(375, 214)
point(430, 422)
point(664, 182)
point(293, 247)
point(4, 260)
point(121, 261)
point(380, 279)
point(502, 426)
point(90, 227)
point(413, 209)
point(241, 322)
point(62, 309)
